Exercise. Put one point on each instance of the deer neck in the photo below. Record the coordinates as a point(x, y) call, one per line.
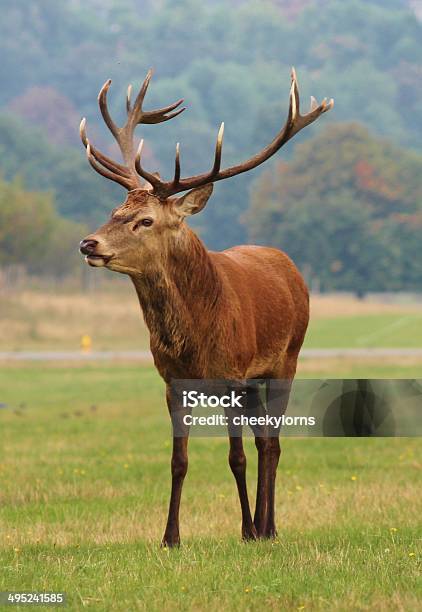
point(179, 296)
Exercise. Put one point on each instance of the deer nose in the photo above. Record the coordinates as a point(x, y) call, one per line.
point(87, 247)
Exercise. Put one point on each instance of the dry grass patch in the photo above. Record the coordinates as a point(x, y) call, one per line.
point(339, 305)
point(363, 367)
point(36, 319)
point(44, 320)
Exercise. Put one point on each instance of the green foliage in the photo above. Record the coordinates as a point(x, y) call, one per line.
point(26, 223)
point(80, 194)
point(347, 209)
point(32, 234)
point(401, 234)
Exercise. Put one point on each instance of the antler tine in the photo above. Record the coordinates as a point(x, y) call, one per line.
point(160, 115)
point(100, 157)
point(128, 95)
point(177, 165)
point(135, 114)
point(218, 150)
point(118, 178)
point(148, 176)
point(102, 101)
point(294, 109)
point(314, 104)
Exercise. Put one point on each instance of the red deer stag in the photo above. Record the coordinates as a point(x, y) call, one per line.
point(235, 315)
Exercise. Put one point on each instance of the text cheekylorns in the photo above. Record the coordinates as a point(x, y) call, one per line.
point(218, 420)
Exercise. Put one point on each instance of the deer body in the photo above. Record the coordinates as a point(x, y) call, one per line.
point(234, 314)
point(238, 315)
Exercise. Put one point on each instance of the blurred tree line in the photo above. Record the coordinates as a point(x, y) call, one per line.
point(33, 234)
point(347, 208)
point(229, 60)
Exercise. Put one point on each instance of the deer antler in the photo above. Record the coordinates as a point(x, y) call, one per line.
point(294, 123)
point(126, 174)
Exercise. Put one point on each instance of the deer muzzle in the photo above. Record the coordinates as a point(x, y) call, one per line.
point(88, 248)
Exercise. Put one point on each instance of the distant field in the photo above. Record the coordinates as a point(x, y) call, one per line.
point(84, 482)
point(35, 320)
point(403, 329)
point(41, 321)
point(360, 368)
point(344, 322)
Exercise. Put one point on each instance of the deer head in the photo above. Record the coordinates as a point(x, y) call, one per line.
point(151, 219)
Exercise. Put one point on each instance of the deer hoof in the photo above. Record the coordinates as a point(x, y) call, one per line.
point(250, 534)
point(170, 542)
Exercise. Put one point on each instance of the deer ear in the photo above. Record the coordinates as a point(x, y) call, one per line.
point(194, 201)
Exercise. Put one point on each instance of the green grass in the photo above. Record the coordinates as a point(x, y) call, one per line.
point(384, 330)
point(84, 484)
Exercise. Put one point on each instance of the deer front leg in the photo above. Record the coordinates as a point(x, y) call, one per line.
point(277, 396)
point(237, 461)
point(262, 443)
point(179, 467)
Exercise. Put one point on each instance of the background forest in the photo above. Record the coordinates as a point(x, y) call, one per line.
point(344, 198)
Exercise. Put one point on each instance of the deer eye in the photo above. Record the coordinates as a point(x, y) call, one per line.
point(147, 222)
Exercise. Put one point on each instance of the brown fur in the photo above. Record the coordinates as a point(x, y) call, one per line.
point(234, 314)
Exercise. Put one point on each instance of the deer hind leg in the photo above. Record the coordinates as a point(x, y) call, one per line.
point(277, 400)
point(262, 442)
point(261, 507)
point(237, 461)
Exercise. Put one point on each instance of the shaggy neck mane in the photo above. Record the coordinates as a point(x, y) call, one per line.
point(180, 296)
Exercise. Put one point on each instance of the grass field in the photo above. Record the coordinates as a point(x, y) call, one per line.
point(84, 483)
point(84, 476)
